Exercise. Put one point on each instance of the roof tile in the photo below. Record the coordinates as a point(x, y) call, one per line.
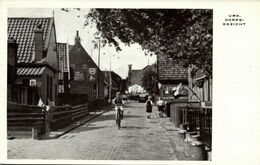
point(22, 30)
point(30, 71)
point(170, 70)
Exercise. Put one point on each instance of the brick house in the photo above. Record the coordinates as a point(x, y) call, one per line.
point(11, 68)
point(85, 85)
point(170, 75)
point(135, 79)
point(36, 60)
point(135, 76)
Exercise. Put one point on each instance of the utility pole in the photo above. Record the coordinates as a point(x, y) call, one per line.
point(98, 67)
point(110, 80)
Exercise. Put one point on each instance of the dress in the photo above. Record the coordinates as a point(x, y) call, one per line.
point(149, 106)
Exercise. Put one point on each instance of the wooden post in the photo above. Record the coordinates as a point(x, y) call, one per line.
point(47, 121)
point(34, 133)
point(87, 109)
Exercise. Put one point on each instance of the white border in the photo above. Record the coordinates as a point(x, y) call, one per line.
point(236, 82)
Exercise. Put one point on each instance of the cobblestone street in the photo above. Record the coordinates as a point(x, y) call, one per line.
point(138, 139)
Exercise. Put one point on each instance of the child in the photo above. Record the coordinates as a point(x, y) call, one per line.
point(160, 105)
point(149, 106)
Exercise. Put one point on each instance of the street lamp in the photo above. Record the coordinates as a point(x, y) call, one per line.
point(98, 38)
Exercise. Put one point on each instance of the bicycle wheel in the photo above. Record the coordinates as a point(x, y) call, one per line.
point(119, 120)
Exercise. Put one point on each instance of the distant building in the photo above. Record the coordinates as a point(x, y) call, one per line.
point(135, 85)
point(135, 79)
point(85, 85)
point(124, 86)
point(116, 83)
point(170, 75)
point(36, 60)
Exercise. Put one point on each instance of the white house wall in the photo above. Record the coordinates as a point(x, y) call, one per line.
point(136, 89)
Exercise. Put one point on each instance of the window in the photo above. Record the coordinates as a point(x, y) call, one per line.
point(73, 66)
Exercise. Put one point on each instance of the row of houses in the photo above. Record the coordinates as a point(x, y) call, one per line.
point(170, 75)
point(135, 79)
point(195, 84)
point(41, 69)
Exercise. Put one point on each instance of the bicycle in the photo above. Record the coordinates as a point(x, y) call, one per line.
point(118, 116)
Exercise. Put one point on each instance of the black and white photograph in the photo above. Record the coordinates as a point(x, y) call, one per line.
point(109, 84)
point(129, 84)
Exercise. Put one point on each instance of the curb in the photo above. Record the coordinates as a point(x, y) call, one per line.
point(76, 126)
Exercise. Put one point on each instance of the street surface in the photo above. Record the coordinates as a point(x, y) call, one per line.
point(138, 139)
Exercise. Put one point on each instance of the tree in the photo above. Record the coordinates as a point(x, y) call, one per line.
point(180, 34)
point(149, 81)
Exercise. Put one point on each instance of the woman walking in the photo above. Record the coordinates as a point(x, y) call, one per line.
point(149, 106)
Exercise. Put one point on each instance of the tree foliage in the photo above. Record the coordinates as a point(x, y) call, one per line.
point(179, 34)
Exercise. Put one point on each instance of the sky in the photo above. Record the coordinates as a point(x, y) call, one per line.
point(67, 23)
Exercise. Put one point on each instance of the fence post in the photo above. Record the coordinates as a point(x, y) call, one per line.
point(87, 109)
point(69, 108)
point(34, 133)
point(47, 120)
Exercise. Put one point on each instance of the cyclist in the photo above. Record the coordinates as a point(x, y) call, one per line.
point(118, 102)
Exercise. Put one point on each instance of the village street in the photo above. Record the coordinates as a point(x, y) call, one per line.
point(138, 139)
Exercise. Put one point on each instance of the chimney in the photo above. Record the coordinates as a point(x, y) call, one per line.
point(129, 67)
point(77, 38)
point(12, 59)
point(129, 74)
point(38, 41)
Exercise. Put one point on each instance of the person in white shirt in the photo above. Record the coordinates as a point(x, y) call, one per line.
point(160, 104)
point(149, 107)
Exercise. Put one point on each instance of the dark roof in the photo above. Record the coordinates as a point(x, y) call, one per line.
point(170, 70)
point(116, 79)
point(63, 59)
point(22, 30)
point(30, 71)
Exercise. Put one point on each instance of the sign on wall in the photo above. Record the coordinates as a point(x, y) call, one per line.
point(78, 76)
point(92, 71)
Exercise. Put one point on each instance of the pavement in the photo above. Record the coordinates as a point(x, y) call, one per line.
point(92, 115)
point(99, 139)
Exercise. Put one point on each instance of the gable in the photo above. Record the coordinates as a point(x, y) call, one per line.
point(79, 57)
point(52, 55)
